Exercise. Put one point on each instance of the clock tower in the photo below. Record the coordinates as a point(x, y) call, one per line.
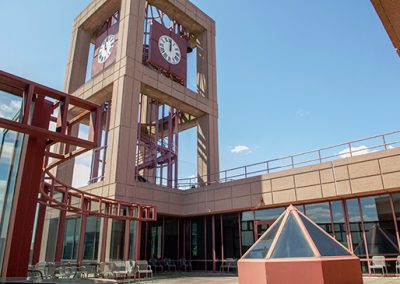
point(135, 52)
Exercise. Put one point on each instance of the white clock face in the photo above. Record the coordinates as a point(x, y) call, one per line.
point(169, 49)
point(106, 48)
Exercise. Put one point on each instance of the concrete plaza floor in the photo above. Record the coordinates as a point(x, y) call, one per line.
point(216, 278)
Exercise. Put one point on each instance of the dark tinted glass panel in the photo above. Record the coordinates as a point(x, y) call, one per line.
point(218, 239)
point(91, 238)
point(379, 226)
point(198, 238)
point(262, 246)
point(356, 232)
point(154, 239)
point(339, 225)
point(209, 238)
point(292, 241)
point(231, 236)
point(320, 214)
point(171, 238)
point(181, 237)
point(325, 245)
point(132, 239)
point(117, 240)
point(71, 238)
point(143, 240)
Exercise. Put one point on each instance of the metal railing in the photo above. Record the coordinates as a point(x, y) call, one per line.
point(345, 150)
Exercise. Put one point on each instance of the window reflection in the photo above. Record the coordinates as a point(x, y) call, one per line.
point(117, 240)
point(92, 238)
point(339, 226)
point(379, 226)
point(269, 214)
point(356, 232)
point(320, 214)
point(71, 238)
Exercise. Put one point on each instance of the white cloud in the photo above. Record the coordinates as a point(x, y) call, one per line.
point(240, 149)
point(355, 151)
point(302, 112)
point(8, 110)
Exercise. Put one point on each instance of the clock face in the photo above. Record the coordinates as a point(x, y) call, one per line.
point(106, 48)
point(169, 49)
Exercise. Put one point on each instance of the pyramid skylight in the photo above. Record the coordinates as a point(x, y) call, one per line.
point(293, 235)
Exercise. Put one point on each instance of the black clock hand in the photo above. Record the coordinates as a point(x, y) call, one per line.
point(170, 45)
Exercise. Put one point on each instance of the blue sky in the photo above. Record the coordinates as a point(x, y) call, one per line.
point(292, 75)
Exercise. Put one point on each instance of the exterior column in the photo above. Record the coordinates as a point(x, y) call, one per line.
point(22, 217)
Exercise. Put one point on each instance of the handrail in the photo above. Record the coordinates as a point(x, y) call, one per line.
point(293, 161)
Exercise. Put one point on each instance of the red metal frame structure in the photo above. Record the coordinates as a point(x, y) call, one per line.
point(47, 148)
point(157, 147)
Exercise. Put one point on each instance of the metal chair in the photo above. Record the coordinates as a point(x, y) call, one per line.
point(142, 266)
point(185, 264)
point(168, 263)
point(378, 262)
point(398, 265)
point(226, 264)
point(155, 264)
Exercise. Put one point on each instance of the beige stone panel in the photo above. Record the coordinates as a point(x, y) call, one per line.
point(343, 187)
point(161, 196)
point(328, 190)
point(391, 180)
point(175, 198)
point(256, 200)
point(267, 198)
point(205, 207)
point(223, 193)
point(309, 192)
point(390, 164)
point(222, 205)
point(241, 202)
point(341, 173)
point(175, 209)
point(144, 193)
point(363, 169)
point(307, 179)
point(284, 196)
point(282, 183)
point(191, 198)
point(366, 184)
point(326, 175)
point(241, 190)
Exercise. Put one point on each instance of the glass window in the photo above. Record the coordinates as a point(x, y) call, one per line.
point(92, 238)
point(117, 240)
point(325, 245)
point(231, 236)
point(154, 239)
point(292, 242)
point(198, 238)
point(71, 238)
point(248, 216)
point(247, 235)
point(218, 238)
point(171, 238)
point(262, 246)
point(132, 239)
point(339, 226)
point(379, 226)
point(269, 214)
point(320, 214)
point(357, 238)
point(209, 245)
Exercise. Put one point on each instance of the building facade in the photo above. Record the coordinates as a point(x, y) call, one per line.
point(130, 59)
